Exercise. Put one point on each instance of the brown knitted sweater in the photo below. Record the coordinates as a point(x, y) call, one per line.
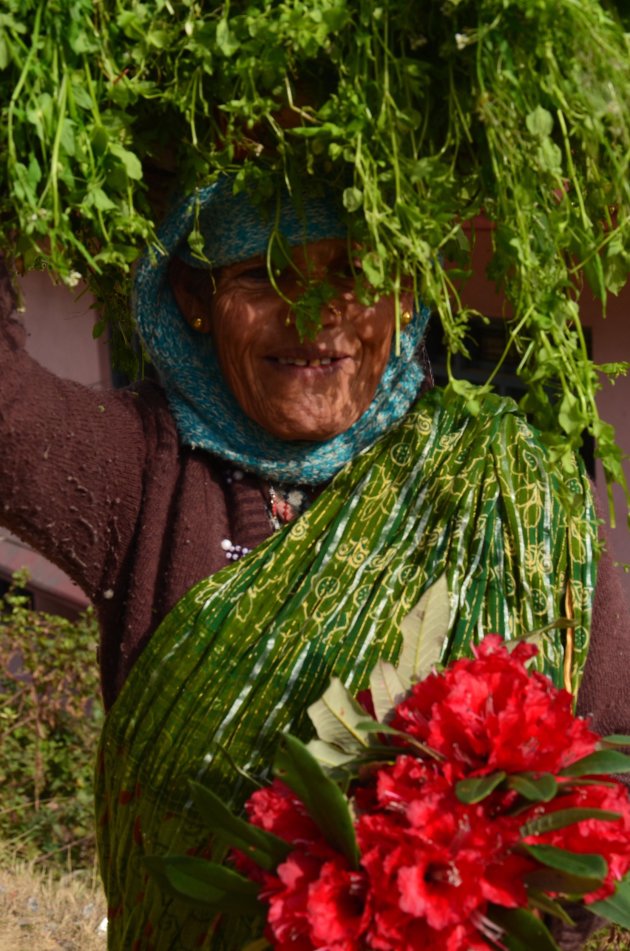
point(100, 484)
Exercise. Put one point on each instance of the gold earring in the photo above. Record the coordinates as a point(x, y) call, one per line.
point(198, 323)
point(405, 318)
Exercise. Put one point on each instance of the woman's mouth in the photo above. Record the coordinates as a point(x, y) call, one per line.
point(299, 362)
point(316, 361)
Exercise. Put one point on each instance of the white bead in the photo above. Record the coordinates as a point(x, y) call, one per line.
point(226, 544)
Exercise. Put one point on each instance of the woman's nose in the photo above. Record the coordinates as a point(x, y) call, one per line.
point(332, 312)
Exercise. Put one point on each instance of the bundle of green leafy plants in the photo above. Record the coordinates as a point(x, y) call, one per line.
point(424, 114)
point(50, 717)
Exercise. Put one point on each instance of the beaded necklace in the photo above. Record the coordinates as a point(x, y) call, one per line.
point(282, 504)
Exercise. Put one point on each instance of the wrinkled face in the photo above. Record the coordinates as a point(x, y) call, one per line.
point(309, 390)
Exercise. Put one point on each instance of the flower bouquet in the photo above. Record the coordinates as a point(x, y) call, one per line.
point(458, 810)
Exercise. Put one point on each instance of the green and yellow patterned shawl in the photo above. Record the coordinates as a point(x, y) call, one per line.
point(244, 653)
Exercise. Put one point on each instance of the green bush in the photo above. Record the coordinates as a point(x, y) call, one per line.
point(50, 716)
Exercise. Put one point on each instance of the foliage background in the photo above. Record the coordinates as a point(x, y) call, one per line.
point(50, 716)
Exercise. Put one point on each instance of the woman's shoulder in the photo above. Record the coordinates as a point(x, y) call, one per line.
point(471, 414)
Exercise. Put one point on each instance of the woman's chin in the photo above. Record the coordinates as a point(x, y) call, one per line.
point(304, 425)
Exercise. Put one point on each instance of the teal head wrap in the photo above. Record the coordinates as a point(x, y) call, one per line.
point(207, 414)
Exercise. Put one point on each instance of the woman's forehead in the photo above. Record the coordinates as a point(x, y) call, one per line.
point(313, 252)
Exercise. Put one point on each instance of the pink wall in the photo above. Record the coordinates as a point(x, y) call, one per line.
point(59, 324)
point(611, 343)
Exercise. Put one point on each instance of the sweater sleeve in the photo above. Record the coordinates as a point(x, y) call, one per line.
point(605, 691)
point(71, 463)
point(604, 697)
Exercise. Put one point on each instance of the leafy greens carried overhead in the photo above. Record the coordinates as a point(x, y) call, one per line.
point(423, 114)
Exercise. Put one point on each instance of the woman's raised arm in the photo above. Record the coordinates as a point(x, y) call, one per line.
point(71, 461)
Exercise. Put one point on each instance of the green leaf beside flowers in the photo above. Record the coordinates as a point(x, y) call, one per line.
point(602, 761)
point(565, 817)
point(262, 847)
point(541, 787)
point(205, 883)
point(617, 907)
point(475, 789)
point(324, 801)
point(580, 864)
point(523, 931)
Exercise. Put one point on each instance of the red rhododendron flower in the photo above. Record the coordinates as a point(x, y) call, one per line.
point(287, 894)
point(432, 859)
point(338, 912)
point(315, 903)
point(432, 866)
point(489, 713)
point(277, 809)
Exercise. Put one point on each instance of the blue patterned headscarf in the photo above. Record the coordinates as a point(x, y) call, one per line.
point(206, 413)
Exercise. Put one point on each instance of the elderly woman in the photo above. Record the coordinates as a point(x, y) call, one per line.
point(267, 517)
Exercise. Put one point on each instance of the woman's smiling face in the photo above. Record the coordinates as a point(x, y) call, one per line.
point(298, 390)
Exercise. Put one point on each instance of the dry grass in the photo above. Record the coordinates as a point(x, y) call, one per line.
point(611, 939)
point(43, 911)
point(40, 911)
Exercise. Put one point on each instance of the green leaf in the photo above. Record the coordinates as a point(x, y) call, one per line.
point(523, 930)
point(553, 880)
point(226, 41)
point(617, 907)
point(565, 817)
point(570, 414)
point(387, 689)
point(594, 274)
point(99, 329)
point(543, 902)
point(616, 739)
point(67, 136)
point(352, 199)
point(373, 268)
point(539, 122)
point(335, 717)
point(549, 157)
point(582, 864)
point(130, 161)
point(540, 788)
point(603, 761)
point(475, 789)
point(324, 801)
point(263, 847)
point(205, 883)
point(99, 140)
point(424, 632)
point(99, 199)
point(329, 756)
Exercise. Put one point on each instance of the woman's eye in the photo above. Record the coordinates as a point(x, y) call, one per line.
point(347, 270)
point(258, 273)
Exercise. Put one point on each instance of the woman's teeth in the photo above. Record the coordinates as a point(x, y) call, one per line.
point(298, 362)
